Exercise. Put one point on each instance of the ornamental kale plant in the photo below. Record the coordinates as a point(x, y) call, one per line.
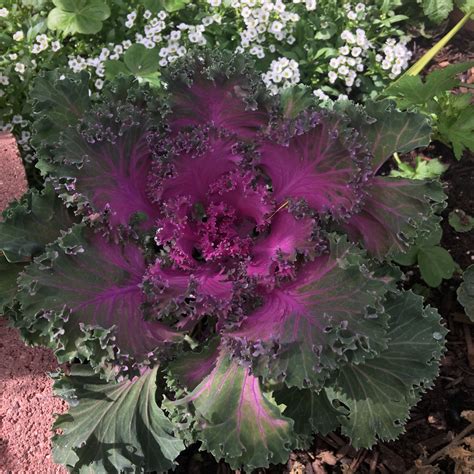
point(220, 264)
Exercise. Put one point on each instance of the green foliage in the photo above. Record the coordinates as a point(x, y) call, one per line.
point(437, 10)
point(466, 292)
point(452, 115)
point(434, 261)
point(460, 221)
point(138, 61)
point(168, 5)
point(78, 16)
point(423, 168)
point(128, 430)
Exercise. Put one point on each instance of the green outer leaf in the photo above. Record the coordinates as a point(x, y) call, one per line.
point(466, 292)
point(57, 103)
point(386, 129)
point(8, 275)
point(78, 16)
point(236, 421)
point(311, 410)
point(111, 427)
point(379, 393)
point(32, 223)
point(393, 131)
point(82, 290)
point(435, 264)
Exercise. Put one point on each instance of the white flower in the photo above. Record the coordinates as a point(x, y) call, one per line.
point(147, 14)
point(16, 119)
point(3, 12)
point(20, 68)
point(4, 81)
point(18, 36)
point(215, 3)
point(13, 56)
point(334, 62)
point(320, 94)
point(163, 62)
point(332, 76)
point(99, 83)
point(356, 51)
point(162, 15)
point(310, 5)
point(352, 15)
point(55, 46)
point(360, 7)
point(126, 44)
point(344, 50)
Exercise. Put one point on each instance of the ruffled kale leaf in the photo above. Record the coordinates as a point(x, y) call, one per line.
point(81, 285)
point(330, 314)
point(235, 420)
point(113, 427)
point(380, 392)
point(212, 246)
point(32, 223)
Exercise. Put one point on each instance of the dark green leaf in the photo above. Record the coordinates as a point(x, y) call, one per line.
point(8, 275)
point(32, 223)
point(380, 392)
point(113, 427)
point(235, 419)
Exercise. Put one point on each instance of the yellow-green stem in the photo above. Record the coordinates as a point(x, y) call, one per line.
point(430, 54)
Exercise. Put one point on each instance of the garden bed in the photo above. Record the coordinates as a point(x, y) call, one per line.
point(438, 435)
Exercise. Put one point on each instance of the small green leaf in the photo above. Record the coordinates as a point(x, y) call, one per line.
point(113, 427)
point(466, 292)
point(140, 60)
point(435, 265)
point(424, 169)
point(78, 16)
point(460, 221)
point(460, 132)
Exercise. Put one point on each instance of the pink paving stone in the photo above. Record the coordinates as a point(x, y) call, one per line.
point(27, 404)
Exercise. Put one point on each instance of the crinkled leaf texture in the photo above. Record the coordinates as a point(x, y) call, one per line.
point(84, 282)
point(235, 420)
point(377, 394)
point(113, 427)
point(211, 245)
point(466, 292)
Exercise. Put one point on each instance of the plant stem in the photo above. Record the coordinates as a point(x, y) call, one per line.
point(430, 54)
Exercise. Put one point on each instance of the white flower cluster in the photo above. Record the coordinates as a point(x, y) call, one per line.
point(283, 73)
point(351, 58)
point(395, 56)
point(265, 22)
point(42, 43)
point(151, 35)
